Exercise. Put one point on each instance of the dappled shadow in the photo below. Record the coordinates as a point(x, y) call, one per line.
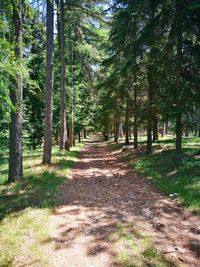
point(173, 178)
point(37, 191)
point(38, 188)
point(103, 194)
point(96, 139)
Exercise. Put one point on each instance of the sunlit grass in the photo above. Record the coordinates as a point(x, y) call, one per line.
point(25, 207)
point(161, 167)
point(22, 237)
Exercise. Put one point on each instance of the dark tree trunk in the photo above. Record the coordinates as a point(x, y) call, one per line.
point(16, 95)
point(106, 131)
point(85, 133)
point(150, 113)
point(49, 83)
point(151, 70)
point(58, 22)
point(155, 127)
point(71, 118)
point(74, 140)
point(63, 128)
point(117, 122)
point(127, 122)
point(135, 130)
point(178, 86)
point(199, 132)
point(165, 127)
point(121, 133)
point(130, 133)
point(114, 124)
point(79, 136)
point(187, 132)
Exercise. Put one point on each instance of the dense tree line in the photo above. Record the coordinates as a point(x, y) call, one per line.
point(120, 67)
point(152, 70)
point(48, 50)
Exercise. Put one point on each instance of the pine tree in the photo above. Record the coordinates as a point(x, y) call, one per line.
point(49, 83)
point(16, 95)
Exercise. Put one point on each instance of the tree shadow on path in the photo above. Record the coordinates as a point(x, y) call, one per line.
point(104, 201)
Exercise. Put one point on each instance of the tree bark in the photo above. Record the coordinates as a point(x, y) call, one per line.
point(151, 70)
point(16, 95)
point(127, 122)
point(155, 127)
point(79, 136)
point(84, 133)
point(117, 121)
point(199, 132)
point(49, 83)
point(71, 118)
point(150, 112)
point(165, 127)
point(63, 128)
point(178, 86)
point(130, 132)
point(121, 133)
point(135, 130)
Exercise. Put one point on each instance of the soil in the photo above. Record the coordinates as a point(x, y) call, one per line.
point(102, 193)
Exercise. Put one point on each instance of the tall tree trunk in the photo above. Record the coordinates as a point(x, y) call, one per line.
point(150, 112)
point(114, 124)
point(151, 70)
point(127, 122)
point(199, 132)
point(130, 132)
point(16, 95)
point(79, 136)
point(155, 126)
point(165, 127)
point(49, 83)
point(121, 133)
point(106, 130)
point(107, 133)
point(71, 119)
point(117, 122)
point(135, 130)
point(178, 78)
point(63, 128)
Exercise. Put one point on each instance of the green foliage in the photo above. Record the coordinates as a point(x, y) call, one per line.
point(141, 51)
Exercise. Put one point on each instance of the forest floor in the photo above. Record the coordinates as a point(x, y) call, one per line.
point(110, 215)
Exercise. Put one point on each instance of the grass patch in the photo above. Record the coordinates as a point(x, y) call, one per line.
point(161, 168)
point(25, 207)
point(135, 248)
point(182, 179)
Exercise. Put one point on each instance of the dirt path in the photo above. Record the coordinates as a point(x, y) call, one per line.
point(103, 193)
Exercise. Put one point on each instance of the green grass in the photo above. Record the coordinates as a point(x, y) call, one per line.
point(136, 248)
point(161, 168)
point(25, 207)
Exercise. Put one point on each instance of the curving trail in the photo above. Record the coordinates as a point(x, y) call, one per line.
point(103, 193)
